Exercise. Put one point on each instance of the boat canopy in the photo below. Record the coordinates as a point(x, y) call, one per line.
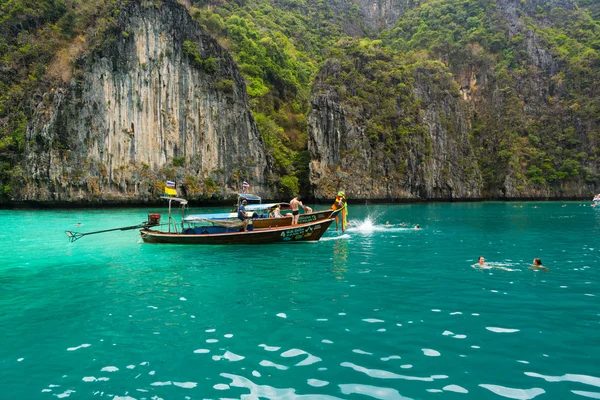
point(204, 217)
point(250, 197)
point(266, 206)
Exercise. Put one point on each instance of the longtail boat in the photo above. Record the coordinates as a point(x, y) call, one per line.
point(219, 234)
point(310, 227)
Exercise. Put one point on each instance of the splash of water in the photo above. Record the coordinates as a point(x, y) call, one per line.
point(370, 225)
point(366, 226)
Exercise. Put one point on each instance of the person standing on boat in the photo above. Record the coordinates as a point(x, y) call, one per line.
point(340, 203)
point(242, 214)
point(294, 204)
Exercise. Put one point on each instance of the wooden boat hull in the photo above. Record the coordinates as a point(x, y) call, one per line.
point(304, 232)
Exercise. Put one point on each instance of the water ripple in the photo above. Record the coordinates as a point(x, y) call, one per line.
point(586, 379)
point(501, 330)
point(267, 363)
point(310, 359)
point(269, 392)
point(381, 374)
point(519, 394)
point(591, 395)
point(372, 391)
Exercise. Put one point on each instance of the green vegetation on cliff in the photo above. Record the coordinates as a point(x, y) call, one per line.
point(535, 114)
point(278, 47)
point(40, 43)
point(540, 114)
point(530, 76)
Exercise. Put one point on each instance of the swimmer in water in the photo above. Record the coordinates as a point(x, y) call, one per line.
point(481, 264)
point(537, 264)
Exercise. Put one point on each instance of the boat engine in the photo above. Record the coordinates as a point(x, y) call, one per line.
point(153, 219)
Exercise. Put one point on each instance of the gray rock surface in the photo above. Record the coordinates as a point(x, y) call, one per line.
point(142, 112)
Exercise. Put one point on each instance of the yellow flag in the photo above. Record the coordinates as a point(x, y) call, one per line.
point(170, 192)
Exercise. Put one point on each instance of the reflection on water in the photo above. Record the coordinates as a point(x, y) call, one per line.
point(340, 258)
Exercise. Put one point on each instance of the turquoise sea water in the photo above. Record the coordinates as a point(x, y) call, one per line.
point(380, 312)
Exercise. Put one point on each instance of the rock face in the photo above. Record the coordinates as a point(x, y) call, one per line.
point(379, 14)
point(161, 101)
point(512, 132)
point(437, 164)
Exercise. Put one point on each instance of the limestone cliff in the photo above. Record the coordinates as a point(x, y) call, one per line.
point(433, 160)
point(161, 100)
point(512, 117)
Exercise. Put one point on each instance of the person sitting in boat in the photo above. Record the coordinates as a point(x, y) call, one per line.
point(307, 210)
point(276, 213)
point(243, 215)
point(294, 204)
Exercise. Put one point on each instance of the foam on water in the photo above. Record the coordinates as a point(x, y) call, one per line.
point(269, 348)
point(375, 392)
point(310, 359)
point(221, 386)
point(185, 385)
point(166, 383)
point(269, 392)
point(317, 383)
point(501, 330)
point(455, 388)
point(381, 374)
point(591, 395)
point(267, 363)
point(585, 379)
point(510, 393)
point(82, 346)
point(341, 237)
point(431, 352)
point(232, 356)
